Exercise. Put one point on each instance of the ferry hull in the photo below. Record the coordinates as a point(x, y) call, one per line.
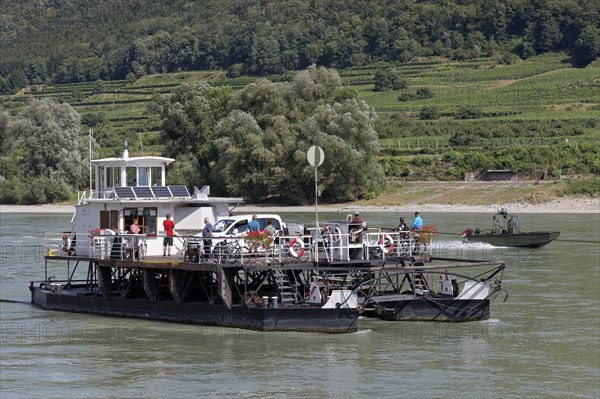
point(433, 309)
point(282, 318)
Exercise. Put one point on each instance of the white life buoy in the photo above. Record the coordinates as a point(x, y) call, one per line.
point(335, 235)
point(386, 243)
point(66, 243)
point(296, 247)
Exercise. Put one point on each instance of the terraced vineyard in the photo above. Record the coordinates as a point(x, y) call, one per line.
point(540, 102)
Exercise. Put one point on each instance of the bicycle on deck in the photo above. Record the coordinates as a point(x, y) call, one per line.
point(230, 251)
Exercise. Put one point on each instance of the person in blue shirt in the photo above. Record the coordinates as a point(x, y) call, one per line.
point(417, 222)
point(253, 225)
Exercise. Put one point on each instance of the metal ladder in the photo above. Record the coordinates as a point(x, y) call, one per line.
point(287, 292)
point(419, 283)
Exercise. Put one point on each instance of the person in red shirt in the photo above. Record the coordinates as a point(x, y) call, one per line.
point(169, 226)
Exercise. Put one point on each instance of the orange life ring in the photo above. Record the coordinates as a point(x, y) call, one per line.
point(294, 242)
point(382, 243)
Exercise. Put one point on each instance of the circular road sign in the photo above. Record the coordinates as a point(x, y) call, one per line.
point(315, 155)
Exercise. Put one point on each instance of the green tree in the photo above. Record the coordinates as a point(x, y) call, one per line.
point(429, 112)
point(588, 45)
point(262, 143)
point(48, 133)
point(246, 157)
point(93, 119)
point(189, 117)
point(3, 133)
point(389, 79)
point(347, 135)
point(468, 112)
point(265, 55)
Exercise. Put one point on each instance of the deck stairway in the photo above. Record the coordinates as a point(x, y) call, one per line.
point(287, 292)
point(417, 282)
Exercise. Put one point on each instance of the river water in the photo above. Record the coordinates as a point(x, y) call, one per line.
point(543, 342)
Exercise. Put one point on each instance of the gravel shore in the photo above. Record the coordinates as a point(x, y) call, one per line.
point(561, 205)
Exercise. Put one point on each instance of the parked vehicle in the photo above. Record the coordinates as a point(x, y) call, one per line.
point(231, 230)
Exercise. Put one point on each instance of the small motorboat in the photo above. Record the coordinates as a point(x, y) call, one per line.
point(507, 233)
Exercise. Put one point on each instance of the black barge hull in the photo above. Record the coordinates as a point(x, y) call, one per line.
point(282, 318)
point(432, 309)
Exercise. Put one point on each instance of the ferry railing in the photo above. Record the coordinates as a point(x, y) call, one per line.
point(398, 244)
point(418, 281)
point(368, 245)
point(56, 244)
point(82, 196)
point(59, 257)
point(231, 249)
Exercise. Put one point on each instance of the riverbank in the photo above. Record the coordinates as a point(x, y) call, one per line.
point(559, 205)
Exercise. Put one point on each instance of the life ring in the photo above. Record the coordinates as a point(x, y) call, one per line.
point(335, 235)
point(66, 243)
point(382, 243)
point(295, 242)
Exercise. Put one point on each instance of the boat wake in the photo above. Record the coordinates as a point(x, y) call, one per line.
point(458, 249)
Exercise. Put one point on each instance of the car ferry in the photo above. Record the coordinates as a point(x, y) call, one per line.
point(317, 279)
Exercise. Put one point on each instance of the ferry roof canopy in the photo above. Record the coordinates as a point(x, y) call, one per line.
point(137, 161)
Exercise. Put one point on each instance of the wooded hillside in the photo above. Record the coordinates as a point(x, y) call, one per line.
point(67, 41)
point(421, 91)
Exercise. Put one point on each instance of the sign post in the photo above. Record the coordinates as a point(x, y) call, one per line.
point(316, 157)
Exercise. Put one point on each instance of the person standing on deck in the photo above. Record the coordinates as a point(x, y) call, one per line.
point(357, 218)
point(403, 229)
point(135, 229)
point(253, 226)
point(169, 226)
point(207, 233)
point(417, 222)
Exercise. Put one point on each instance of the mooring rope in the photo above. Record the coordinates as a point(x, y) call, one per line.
point(14, 301)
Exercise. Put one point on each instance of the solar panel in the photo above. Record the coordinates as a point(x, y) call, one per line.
point(161, 192)
point(143, 192)
point(179, 191)
point(124, 192)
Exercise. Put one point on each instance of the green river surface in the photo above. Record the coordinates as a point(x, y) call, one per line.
point(542, 342)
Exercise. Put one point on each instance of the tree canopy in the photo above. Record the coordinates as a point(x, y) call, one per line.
point(262, 145)
point(48, 133)
point(62, 41)
point(253, 143)
point(46, 160)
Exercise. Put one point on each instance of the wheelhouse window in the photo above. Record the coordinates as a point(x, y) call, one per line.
point(156, 173)
point(100, 178)
point(131, 176)
point(116, 177)
point(146, 219)
point(143, 177)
